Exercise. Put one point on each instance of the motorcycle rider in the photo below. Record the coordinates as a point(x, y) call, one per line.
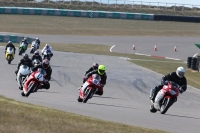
point(25, 41)
point(37, 40)
point(10, 44)
point(48, 48)
point(177, 77)
point(36, 56)
point(46, 66)
point(94, 67)
point(101, 72)
point(25, 61)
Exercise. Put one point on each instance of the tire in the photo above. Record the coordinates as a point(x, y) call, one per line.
point(194, 63)
point(31, 88)
point(9, 62)
point(189, 61)
point(167, 103)
point(152, 109)
point(88, 94)
point(79, 99)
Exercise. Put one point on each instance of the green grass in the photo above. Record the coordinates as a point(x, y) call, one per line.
point(95, 27)
point(17, 117)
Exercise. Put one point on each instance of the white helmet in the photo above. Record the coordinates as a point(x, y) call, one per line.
point(180, 71)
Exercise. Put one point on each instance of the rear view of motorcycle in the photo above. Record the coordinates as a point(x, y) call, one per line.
point(22, 48)
point(165, 98)
point(89, 88)
point(9, 54)
point(34, 81)
point(34, 47)
point(47, 55)
point(21, 75)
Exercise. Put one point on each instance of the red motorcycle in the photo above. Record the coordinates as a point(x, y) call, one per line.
point(34, 81)
point(89, 88)
point(165, 98)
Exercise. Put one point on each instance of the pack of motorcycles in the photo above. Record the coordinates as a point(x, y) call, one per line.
point(37, 77)
point(169, 92)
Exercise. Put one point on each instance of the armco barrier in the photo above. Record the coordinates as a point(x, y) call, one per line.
point(176, 18)
point(75, 13)
point(15, 39)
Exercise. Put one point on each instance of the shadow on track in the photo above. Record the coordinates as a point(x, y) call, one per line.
point(109, 97)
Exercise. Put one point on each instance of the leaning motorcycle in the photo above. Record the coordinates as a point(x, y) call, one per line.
point(34, 47)
point(165, 98)
point(46, 54)
point(21, 75)
point(22, 48)
point(34, 81)
point(89, 88)
point(9, 54)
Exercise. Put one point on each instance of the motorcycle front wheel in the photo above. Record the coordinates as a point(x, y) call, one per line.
point(88, 94)
point(31, 88)
point(167, 102)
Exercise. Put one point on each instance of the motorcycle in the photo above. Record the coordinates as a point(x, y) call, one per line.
point(46, 54)
point(36, 62)
point(21, 75)
point(34, 47)
point(165, 98)
point(33, 82)
point(89, 88)
point(22, 48)
point(9, 54)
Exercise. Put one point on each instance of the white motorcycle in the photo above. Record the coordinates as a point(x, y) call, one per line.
point(34, 47)
point(21, 75)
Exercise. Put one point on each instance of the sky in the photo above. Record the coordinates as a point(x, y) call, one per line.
point(192, 2)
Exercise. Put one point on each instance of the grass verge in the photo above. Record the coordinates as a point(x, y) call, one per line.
point(17, 117)
point(55, 25)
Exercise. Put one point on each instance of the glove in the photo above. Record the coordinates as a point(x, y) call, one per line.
point(46, 81)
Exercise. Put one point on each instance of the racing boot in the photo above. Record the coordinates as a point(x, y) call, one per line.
point(153, 94)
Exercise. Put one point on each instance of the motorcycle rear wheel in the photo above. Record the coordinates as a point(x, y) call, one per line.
point(167, 103)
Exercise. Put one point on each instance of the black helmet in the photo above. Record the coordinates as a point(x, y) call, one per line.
point(36, 53)
point(25, 57)
point(95, 65)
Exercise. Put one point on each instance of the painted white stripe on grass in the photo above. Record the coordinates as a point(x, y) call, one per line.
point(112, 48)
point(142, 54)
point(172, 58)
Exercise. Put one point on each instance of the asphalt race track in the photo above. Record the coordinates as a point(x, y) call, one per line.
point(126, 94)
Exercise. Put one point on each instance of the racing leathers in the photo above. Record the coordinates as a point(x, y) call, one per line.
point(24, 62)
point(103, 80)
point(182, 82)
point(38, 42)
point(89, 70)
point(10, 45)
point(36, 57)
